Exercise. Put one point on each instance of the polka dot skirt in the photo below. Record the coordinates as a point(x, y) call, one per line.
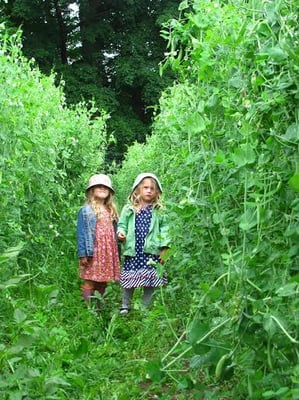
point(140, 271)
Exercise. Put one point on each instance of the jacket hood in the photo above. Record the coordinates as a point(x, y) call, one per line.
point(144, 175)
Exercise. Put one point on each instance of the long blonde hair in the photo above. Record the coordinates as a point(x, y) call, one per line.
point(95, 205)
point(134, 197)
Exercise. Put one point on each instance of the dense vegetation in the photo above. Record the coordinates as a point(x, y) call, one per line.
point(225, 144)
point(106, 51)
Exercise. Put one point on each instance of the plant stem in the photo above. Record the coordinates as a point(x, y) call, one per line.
point(197, 342)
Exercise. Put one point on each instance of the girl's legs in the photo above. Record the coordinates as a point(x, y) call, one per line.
point(128, 294)
point(148, 292)
point(126, 300)
point(87, 288)
point(100, 287)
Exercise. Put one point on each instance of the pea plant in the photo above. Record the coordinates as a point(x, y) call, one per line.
point(224, 144)
point(227, 137)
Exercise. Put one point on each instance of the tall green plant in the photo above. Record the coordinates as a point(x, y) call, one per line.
point(226, 145)
point(48, 152)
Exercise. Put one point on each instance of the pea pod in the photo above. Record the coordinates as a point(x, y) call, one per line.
point(220, 365)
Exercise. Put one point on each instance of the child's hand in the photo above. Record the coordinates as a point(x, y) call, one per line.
point(121, 236)
point(83, 262)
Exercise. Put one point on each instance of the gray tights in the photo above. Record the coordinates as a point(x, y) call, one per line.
point(146, 299)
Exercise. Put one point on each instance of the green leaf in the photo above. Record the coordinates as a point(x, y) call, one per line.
point(11, 252)
point(236, 82)
point(12, 282)
point(53, 383)
point(197, 330)
point(271, 12)
point(15, 349)
point(33, 372)
point(19, 316)
point(220, 157)
point(57, 381)
point(294, 182)
point(243, 155)
point(292, 133)
point(207, 358)
point(269, 325)
point(195, 123)
point(276, 53)
point(183, 5)
point(248, 220)
point(268, 394)
point(287, 290)
point(154, 371)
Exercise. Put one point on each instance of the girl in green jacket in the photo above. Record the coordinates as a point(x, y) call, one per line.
point(143, 231)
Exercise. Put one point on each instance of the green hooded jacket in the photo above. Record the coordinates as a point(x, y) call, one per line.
point(157, 237)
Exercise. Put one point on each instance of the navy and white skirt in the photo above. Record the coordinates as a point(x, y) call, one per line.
point(141, 270)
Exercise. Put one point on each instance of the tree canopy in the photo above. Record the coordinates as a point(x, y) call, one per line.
point(107, 51)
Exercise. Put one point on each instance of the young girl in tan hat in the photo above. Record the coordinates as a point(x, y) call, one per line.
point(143, 231)
point(96, 237)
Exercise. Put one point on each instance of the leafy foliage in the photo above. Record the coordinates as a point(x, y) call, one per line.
point(51, 345)
point(106, 52)
point(48, 150)
point(225, 145)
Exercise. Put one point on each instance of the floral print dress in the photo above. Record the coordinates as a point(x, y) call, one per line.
point(104, 266)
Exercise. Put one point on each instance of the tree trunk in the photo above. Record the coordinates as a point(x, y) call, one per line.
point(62, 32)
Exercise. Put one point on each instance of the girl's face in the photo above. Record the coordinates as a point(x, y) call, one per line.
point(101, 192)
point(148, 191)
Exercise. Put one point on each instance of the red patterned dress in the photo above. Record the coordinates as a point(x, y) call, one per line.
point(104, 266)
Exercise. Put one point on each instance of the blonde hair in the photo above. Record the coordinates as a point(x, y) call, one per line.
point(95, 205)
point(134, 197)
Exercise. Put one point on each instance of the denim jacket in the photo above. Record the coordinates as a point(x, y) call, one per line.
point(155, 240)
point(86, 225)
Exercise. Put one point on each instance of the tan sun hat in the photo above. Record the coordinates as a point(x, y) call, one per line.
point(100, 179)
point(144, 175)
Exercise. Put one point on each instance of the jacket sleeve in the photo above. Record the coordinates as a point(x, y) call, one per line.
point(164, 231)
point(80, 235)
point(122, 225)
point(117, 241)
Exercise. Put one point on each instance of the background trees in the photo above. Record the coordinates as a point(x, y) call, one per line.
point(108, 51)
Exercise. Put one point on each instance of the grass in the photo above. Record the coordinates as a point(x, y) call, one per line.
point(54, 346)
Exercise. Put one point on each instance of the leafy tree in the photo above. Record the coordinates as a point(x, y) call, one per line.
point(105, 51)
